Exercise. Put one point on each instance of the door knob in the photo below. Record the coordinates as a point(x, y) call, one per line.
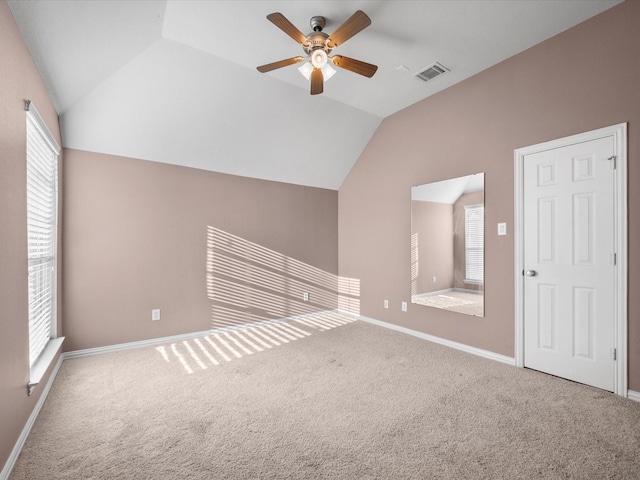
point(531, 273)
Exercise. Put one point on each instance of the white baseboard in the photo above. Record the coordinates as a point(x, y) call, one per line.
point(184, 336)
point(140, 343)
point(631, 395)
point(11, 461)
point(442, 341)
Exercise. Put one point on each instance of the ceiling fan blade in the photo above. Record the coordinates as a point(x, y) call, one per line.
point(287, 27)
point(355, 66)
point(282, 63)
point(317, 81)
point(356, 23)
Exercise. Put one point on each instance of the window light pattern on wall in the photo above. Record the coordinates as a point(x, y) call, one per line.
point(247, 282)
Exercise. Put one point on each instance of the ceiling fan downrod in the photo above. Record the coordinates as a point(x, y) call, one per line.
point(317, 23)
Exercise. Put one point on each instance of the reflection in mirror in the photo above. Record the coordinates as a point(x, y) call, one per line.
point(447, 244)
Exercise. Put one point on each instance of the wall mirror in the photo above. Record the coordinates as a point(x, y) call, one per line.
point(447, 245)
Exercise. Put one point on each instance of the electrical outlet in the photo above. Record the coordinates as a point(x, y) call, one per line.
point(434, 279)
point(155, 314)
point(502, 229)
point(305, 296)
point(404, 306)
point(386, 304)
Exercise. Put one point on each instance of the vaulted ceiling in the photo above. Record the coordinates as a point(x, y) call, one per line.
point(176, 81)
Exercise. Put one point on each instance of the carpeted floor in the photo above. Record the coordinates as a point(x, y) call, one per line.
point(343, 400)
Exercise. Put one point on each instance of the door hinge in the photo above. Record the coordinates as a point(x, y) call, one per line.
point(613, 158)
point(613, 353)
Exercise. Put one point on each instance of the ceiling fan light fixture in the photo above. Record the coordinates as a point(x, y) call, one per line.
point(307, 68)
point(319, 58)
point(328, 72)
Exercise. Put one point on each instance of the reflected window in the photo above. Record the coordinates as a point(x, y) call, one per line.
point(474, 243)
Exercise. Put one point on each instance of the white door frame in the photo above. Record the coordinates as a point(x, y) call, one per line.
point(619, 133)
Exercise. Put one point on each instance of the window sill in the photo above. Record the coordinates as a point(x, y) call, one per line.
point(44, 361)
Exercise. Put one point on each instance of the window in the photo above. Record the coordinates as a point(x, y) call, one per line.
point(42, 220)
point(474, 243)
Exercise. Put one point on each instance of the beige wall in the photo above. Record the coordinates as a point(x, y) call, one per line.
point(19, 80)
point(432, 225)
point(583, 79)
point(141, 235)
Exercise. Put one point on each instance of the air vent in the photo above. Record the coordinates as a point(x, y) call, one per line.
point(431, 72)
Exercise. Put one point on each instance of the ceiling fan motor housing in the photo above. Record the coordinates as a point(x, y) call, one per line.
point(317, 40)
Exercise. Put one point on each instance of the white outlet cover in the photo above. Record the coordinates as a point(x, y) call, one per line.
point(386, 304)
point(404, 306)
point(155, 314)
point(502, 229)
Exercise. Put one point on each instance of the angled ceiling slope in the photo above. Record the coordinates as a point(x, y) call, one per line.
point(176, 81)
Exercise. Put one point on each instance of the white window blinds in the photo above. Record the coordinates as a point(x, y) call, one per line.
point(42, 219)
point(474, 243)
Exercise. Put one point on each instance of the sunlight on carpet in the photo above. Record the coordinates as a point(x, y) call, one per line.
point(227, 344)
point(442, 301)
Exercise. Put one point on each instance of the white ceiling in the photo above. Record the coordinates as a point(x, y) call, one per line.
point(448, 191)
point(176, 81)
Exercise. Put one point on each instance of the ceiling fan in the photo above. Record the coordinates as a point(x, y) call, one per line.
point(318, 45)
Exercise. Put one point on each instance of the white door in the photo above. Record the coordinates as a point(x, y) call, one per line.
point(569, 262)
